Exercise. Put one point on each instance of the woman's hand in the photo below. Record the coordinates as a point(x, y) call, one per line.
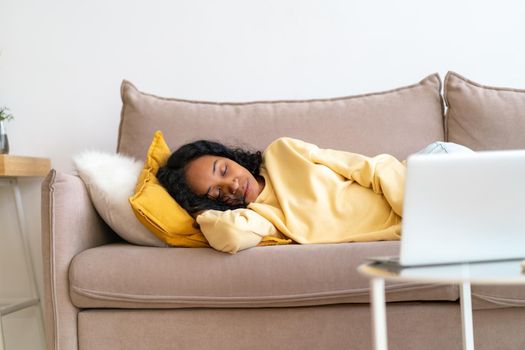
point(233, 230)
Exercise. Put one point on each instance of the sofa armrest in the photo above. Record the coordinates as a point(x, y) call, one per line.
point(70, 225)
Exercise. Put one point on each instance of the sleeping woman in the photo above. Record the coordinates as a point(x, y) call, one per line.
point(294, 190)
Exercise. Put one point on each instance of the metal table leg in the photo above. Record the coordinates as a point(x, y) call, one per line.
point(466, 316)
point(379, 313)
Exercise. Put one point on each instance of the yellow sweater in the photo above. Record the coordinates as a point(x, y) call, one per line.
point(314, 195)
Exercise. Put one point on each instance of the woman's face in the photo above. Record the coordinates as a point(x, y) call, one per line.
point(222, 179)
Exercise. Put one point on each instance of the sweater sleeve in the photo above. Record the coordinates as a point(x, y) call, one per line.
point(233, 230)
point(383, 174)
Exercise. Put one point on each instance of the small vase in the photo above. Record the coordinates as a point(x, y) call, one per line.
point(4, 143)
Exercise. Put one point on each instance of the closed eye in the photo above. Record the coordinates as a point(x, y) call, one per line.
point(225, 171)
point(216, 197)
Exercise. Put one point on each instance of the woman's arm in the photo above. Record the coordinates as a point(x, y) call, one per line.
point(233, 230)
point(383, 173)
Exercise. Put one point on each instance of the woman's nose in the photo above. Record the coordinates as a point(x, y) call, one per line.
point(233, 186)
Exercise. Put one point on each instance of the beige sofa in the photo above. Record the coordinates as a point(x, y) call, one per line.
point(103, 293)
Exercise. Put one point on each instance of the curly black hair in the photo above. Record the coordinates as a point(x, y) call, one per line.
point(173, 175)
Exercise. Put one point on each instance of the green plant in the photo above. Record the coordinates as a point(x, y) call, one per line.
point(5, 114)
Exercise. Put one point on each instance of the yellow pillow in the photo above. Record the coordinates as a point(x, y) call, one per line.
point(160, 213)
point(156, 209)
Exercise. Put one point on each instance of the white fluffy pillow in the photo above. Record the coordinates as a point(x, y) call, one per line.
point(111, 179)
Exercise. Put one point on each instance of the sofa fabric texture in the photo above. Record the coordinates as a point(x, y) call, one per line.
point(314, 275)
point(103, 293)
point(387, 118)
point(70, 225)
point(484, 117)
point(428, 326)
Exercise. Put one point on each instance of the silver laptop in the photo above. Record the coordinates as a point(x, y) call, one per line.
point(464, 207)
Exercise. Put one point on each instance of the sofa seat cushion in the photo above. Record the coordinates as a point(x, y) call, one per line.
point(125, 276)
point(493, 297)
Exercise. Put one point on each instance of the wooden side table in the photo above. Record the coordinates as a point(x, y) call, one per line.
point(12, 168)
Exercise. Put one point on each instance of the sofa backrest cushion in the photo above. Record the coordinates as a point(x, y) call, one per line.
point(483, 117)
point(399, 121)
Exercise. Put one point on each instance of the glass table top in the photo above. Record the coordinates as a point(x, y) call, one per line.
point(494, 272)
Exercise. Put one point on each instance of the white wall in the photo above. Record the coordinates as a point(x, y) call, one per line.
point(62, 62)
